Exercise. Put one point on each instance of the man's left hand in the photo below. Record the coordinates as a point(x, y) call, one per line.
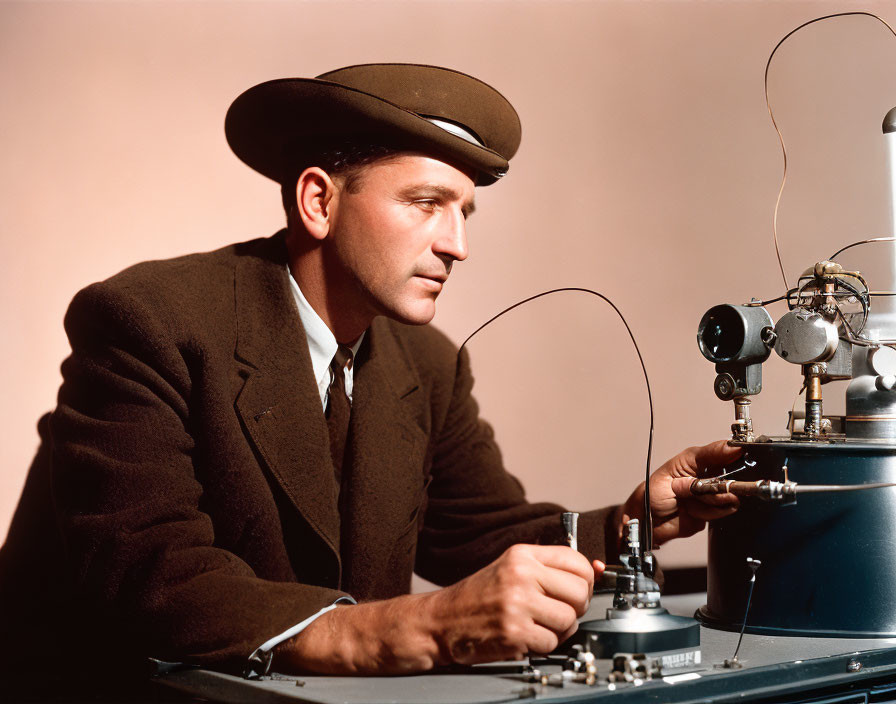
point(676, 512)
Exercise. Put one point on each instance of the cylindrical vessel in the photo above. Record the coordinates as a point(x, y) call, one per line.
point(870, 407)
point(828, 562)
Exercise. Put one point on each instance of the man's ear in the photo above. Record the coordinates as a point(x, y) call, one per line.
point(314, 201)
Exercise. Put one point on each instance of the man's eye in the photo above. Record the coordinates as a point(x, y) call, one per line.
point(426, 204)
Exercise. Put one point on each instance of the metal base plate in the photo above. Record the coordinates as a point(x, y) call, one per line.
point(650, 633)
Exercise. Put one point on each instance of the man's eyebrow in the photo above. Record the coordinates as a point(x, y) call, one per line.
point(435, 190)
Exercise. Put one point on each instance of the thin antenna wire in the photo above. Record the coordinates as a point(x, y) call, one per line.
point(747, 464)
point(856, 244)
point(778, 131)
point(647, 537)
point(753, 565)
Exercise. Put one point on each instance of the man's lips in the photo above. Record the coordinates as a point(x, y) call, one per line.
point(440, 278)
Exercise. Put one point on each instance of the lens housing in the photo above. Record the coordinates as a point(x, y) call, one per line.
point(729, 333)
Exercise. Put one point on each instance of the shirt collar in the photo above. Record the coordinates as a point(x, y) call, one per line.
point(322, 342)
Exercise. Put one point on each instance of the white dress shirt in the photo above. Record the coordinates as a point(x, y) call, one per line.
point(322, 345)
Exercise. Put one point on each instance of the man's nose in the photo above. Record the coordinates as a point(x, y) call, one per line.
point(452, 243)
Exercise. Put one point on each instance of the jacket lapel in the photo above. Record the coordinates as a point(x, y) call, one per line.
point(279, 403)
point(386, 459)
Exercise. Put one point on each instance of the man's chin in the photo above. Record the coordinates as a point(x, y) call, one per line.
point(419, 314)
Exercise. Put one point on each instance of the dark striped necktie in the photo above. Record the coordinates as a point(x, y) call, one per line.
point(339, 408)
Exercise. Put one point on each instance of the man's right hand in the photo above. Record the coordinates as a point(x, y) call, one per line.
point(528, 600)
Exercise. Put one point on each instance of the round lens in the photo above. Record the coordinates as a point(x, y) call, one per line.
point(721, 334)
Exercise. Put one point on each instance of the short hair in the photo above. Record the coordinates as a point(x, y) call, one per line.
point(345, 158)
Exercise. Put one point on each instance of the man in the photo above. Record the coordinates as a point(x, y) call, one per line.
point(250, 440)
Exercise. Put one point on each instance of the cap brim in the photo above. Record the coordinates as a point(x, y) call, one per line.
point(266, 120)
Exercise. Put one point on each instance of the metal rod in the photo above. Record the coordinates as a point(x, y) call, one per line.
point(773, 491)
point(813, 400)
point(753, 565)
point(571, 527)
point(818, 488)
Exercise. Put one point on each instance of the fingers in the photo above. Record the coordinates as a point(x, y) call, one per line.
point(567, 634)
point(526, 601)
point(552, 582)
point(676, 511)
point(552, 623)
point(695, 462)
point(558, 572)
point(562, 558)
point(714, 455)
point(555, 615)
point(544, 641)
point(566, 588)
point(706, 507)
point(700, 510)
point(681, 487)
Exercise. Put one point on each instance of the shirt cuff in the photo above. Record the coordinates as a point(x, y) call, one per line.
point(259, 663)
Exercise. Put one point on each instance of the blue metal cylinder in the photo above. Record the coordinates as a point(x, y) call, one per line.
point(828, 561)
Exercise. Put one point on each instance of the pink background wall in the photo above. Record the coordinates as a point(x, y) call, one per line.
point(648, 171)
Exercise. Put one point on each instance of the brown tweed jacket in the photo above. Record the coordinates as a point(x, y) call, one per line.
point(183, 504)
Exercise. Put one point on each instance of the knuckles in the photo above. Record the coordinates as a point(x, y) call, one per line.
point(517, 553)
point(514, 567)
point(546, 644)
point(514, 571)
point(513, 636)
point(569, 617)
point(582, 603)
point(512, 586)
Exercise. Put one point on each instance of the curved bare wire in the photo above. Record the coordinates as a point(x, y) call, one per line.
point(775, 124)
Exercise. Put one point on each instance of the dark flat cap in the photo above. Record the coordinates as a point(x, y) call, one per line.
point(436, 110)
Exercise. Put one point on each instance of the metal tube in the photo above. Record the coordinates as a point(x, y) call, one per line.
point(888, 303)
point(634, 538)
point(773, 491)
point(813, 400)
point(742, 428)
point(571, 527)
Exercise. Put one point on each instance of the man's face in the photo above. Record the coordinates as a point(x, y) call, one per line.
point(396, 232)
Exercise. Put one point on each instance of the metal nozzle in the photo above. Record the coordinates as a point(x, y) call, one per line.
point(571, 527)
point(634, 537)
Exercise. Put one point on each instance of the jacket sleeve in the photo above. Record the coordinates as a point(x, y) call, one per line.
point(141, 551)
point(476, 509)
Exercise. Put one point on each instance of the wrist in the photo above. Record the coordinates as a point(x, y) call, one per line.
point(315, 649)
point(397, 636)
point(440, 622)
point(420, 624)
point(393, 636)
